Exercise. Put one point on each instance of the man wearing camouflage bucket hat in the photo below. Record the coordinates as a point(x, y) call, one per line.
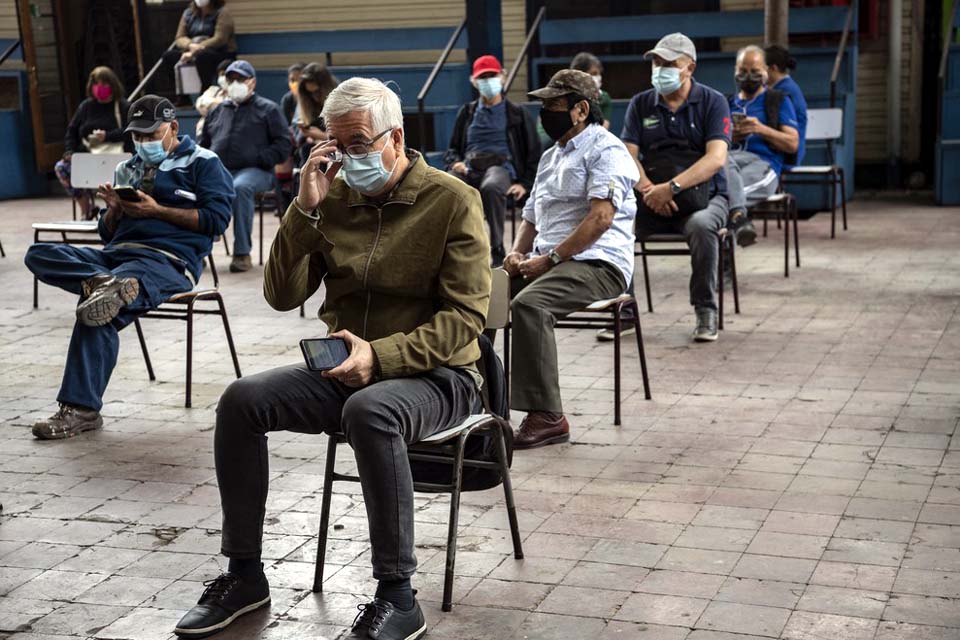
point(574, 245)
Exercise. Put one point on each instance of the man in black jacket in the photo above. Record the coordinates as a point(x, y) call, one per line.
point(250, 135)
point(495, 148)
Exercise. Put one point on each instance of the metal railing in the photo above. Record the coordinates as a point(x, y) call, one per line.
point(147, 78)
point(841, 51)
point(422, 96)
point(9, 51)
point(534, 28)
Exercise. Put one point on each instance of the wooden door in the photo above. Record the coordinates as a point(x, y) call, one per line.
point(44, 58)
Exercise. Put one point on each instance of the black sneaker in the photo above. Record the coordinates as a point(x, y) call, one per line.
point(741, 226)
point(225, 599)
point(379, 620)
point(706, 330)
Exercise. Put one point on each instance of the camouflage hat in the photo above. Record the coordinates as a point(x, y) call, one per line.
point(566, 82)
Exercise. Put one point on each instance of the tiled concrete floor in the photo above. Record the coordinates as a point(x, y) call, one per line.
point(798, 479)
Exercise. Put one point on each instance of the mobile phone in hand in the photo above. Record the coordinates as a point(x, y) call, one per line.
point(323, 354)
point(127, 193)
point(738, 118)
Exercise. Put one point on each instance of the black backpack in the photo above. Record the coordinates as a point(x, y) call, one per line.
point(481, 446)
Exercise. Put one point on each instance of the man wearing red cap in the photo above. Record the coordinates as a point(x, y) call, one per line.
point(494, 148)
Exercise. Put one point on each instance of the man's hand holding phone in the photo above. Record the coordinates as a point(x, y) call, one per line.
point(317, 174)
point(360, 368)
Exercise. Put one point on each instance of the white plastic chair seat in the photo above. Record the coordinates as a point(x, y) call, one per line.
point(453, 432)
point(186, 295)
point(69, 226)
point(815, 169)
point(601, 305)
point(776, 198)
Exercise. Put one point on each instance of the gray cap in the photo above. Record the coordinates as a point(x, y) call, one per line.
point(673, 46)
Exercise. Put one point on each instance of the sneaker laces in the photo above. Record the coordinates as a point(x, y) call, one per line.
point(372, 616)
point(219, 587)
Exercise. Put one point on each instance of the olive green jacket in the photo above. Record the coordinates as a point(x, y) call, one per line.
point(412, 276)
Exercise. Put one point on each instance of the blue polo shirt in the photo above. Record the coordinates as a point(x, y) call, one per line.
point(790, 87)
point(487, 132)
point(755, 143)
point(705, 116)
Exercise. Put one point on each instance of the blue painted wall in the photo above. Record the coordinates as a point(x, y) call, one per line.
point(18, 168)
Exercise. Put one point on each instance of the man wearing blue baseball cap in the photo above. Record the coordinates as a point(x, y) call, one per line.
point(249, 133)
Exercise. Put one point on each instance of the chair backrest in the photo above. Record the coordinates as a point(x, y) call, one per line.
point(90, 170)
point(213, 267)
point(824, 124)
point(499, 311)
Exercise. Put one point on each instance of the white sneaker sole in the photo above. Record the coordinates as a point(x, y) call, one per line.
point(418, 633)
point(712, 338)
point(606, 335)
point(193, 633)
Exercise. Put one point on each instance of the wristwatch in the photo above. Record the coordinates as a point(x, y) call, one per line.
point(555, 258)
point(675, 187)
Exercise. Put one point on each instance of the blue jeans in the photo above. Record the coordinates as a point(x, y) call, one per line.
point(93, 350)
point(247, 183)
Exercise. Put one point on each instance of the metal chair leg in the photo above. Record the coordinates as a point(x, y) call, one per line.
point(303, 313)
point(325, 514)
point(843, 196)
point(187, 403)
point(3, 254)
point(646, 277)
point(796, 231)
point(786, 244)
point(617, 310)
point(506, 361)
point(508, 492)
point(452, 526)
point(720, 287)
point(732, 247)
point(833, 206)
point(643, 356)
point(226, 245)
point(226, 330)
point(260, 209)
point(143, 347)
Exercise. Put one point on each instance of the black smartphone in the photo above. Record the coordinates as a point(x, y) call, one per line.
point(127, 193)
point(738, 117)
point(322, 354)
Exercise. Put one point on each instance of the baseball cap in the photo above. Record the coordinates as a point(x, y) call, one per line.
point(567, 81)
point(242, 68)
point(485, 64)
point(673, 46)
point(146, 114)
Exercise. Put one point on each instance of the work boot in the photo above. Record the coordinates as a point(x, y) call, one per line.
point(742, 228)
point(380, 620)
point(226, 598)
point(239, 264)
point(108, 295)
point(540, 428)
point(90, 285)
point(67, 422)
point(706, 330)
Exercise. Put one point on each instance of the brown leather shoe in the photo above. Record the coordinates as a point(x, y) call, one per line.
point(540, 428)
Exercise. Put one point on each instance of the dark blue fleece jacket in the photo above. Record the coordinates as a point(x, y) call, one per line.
point(190, 178)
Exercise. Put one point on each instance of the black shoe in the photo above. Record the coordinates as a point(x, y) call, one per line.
point(706, 330)
point(379, 620)
point(741, 226)
point(225, 599)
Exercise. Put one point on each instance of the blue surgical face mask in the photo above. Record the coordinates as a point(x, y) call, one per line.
point(665, 80)
point(490, 88)
point(152, 152)
point(368, 176)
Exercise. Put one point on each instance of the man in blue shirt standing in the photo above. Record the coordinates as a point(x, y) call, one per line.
point(679, 114)
point(250, 134)
point(764, 134)
point(494, 147)
point(155, 248)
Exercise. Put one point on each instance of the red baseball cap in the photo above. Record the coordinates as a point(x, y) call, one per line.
point(485, 64)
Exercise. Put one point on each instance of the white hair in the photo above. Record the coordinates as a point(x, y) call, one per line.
point(365, 94)
point(750, 48)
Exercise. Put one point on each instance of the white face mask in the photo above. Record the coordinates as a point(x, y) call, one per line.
point(598, 80)
point(222, 82)
point(238, 91)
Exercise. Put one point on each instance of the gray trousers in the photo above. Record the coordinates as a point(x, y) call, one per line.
point(492, 185)
point(749, 179)
point(700, 231)
point(534, 310)
point(379, 421)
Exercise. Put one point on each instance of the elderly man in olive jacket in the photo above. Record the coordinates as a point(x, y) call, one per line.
point(403, 253)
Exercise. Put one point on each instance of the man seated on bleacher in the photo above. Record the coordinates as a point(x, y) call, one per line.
point(250, 135)
point(574, 245)
point(494, 147)
point(682, 123)
point(401, 250)
point(765, 137)
point(153, 249)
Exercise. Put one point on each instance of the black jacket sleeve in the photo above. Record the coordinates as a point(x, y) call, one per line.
point(455, 152)
point(280, 146)
point(72, 142)
point(527, 167)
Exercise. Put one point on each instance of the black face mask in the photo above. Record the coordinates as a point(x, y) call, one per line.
point(749, 83)
point(555, 123)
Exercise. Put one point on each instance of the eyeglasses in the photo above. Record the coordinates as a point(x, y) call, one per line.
point(360, 150)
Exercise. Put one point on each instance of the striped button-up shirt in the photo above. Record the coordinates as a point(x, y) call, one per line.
point(592, 165)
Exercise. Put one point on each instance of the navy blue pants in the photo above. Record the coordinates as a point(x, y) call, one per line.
point(93, 350)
